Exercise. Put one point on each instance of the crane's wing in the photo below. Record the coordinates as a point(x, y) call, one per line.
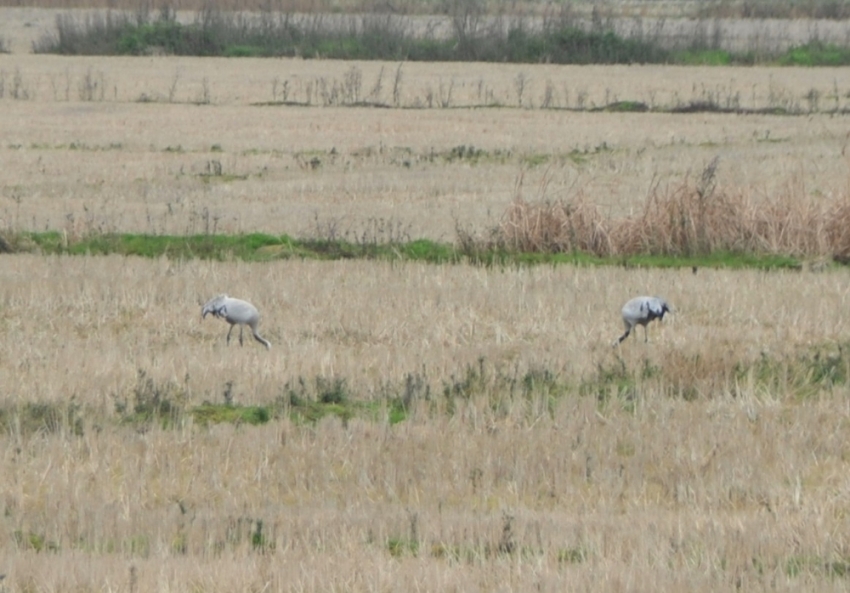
point(239, 311)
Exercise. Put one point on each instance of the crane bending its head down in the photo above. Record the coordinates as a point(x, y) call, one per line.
point(640, 311)
point(235, 312)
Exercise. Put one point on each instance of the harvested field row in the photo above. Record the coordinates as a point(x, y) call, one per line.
point(83, 327)
point(419, 85)
point(676, 495)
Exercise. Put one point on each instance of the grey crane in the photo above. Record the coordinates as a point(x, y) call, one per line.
point(235, 312)
point(640, 311)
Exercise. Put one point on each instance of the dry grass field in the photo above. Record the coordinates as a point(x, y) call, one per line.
point(175, 166)
point(737, 485)
point(532, 457)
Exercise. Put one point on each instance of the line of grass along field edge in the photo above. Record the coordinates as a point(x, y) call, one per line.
point(259, 247)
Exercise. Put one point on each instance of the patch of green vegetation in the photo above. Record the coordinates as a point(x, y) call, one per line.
point(503, 387)
point(803, 375)
point(801, 565)
point(180, 543)
point(259, 541)
point(161, 402)
point(220, 247)
point(765, 138)
point(208, 413)
point(221, 177)
point(816, 53)
point(262, 247)
point(37, 542)
point(70, 146)
point(324, 397)
point(807, 373)
point(614, 381)
point(699, 106)
point(397, 411)
point(535, 160)
point(575, 555)
point(581, 156)
point(718, 259)
point(139, 545)
point(400, 546)
point(468, 154)
point(428, 251)
point(163, 33)
point(305, 402)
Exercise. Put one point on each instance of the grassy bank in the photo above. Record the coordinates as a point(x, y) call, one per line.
point(257, 247)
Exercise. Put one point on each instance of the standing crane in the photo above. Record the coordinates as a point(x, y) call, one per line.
point(235, 312)
point(640, 311)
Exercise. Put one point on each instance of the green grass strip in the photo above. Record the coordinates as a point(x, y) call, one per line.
point(258, 247)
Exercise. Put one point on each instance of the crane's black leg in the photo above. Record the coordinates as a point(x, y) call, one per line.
point(624, 336)
point(228, 334)
point(241, 329)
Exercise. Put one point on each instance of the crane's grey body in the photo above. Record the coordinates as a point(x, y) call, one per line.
point(235, 312)
point(640, 311)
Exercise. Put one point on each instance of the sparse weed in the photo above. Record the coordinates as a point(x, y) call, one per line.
point(153, 402)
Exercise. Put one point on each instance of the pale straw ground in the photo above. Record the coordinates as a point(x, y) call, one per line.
point(702, 478)
point(741, 487)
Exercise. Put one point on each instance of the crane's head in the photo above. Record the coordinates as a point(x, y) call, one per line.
point(661, 307)
point(213, 306)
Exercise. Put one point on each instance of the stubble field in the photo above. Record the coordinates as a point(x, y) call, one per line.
point(530, 456)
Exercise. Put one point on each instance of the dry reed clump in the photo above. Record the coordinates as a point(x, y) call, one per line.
point(693, 218)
